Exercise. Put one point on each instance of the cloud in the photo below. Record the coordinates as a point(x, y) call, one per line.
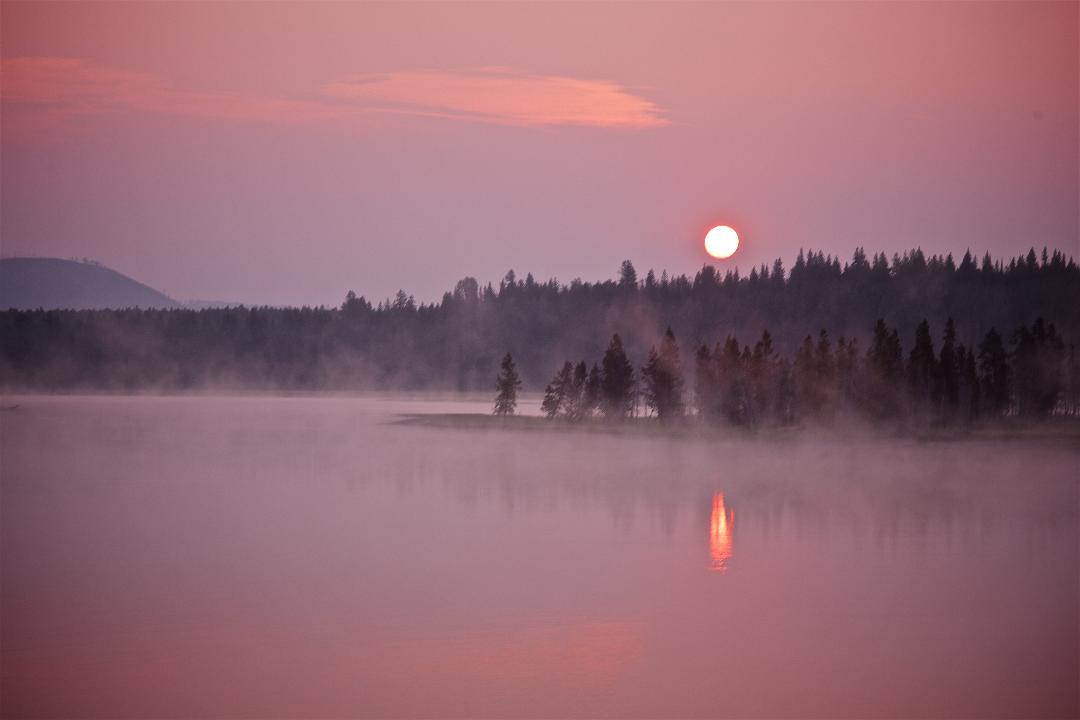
point(42, 92)
point(499, 95)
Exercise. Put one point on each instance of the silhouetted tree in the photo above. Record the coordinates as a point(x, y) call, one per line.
point(847, 368)
point(556, 391)
point(616, 381)
point(705, 388)
point(733, 385)
point(627, 276)
point(507, 385)
point(762, 379)
point(880, 381)
point(825, 374)
point(575, 395)
point(1039, 368)
point(663, 379)
point(949, 374)
point(807, 388)
point(994, 375)
point(970, 393)
point(1072, 382)
point(921, 372)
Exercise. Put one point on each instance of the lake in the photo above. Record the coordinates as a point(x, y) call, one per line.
point(312, 557)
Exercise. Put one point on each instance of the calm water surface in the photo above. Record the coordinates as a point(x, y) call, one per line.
point(273, 557)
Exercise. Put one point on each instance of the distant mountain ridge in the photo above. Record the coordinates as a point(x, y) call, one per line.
point(54, 284)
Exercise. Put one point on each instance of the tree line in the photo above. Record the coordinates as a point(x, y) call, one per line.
point(1032, 375)
point(457, 342)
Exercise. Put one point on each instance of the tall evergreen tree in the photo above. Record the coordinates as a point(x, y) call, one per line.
point(627, 276)
point(880, 381)
point(732, 381)
point(807, 388)
point(507, 385)
point(663, 379)
point(555, 394)
point(949, 374)
point(704, 383)
point(575, 394)
point(762, 379)
point(970, 393)
point(825, 374)
point(1039, 363)
point(847, 367)
point(616, 381)
point(994, 375)
point(921, 371)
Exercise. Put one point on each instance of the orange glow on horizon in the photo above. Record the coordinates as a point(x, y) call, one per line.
point(721, 528)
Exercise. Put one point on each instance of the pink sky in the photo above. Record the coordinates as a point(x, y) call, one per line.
point(285, 153)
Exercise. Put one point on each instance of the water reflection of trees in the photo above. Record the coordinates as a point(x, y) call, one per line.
point(866, 491)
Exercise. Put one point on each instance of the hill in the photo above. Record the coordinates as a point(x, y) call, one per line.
point(55, 284)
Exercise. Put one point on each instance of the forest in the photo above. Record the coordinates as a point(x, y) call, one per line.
point(740, 385)
point(849, 316)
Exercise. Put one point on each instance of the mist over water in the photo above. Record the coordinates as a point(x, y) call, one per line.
point(311, 556)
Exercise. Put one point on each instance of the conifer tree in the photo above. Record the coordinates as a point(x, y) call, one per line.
point(807, 399)
point(881, 377)
point(762, 379)
point(825, 374)
point(663, 379)
point(704, 383)
point(994, 375)
point(616, 381)
point(731, 381)
point(970, 392)
point(556, 391)
point(1039, 365)
point(949, 374)
point(507, 385)
point(575, 393)
point(921, 371)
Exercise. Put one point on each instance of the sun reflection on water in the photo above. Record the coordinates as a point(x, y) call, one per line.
point(721, 528)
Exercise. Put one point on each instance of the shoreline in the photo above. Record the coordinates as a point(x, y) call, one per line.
point(1063, 429)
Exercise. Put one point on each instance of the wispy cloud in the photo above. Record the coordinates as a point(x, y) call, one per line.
point(40, 92)
point(502, 96)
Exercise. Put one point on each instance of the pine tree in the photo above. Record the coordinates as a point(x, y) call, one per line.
point(731, 382)
point(807, 398)
point(846, 370)
point(507, 385)
point(949, 374)
point(994, 375)
point(879, 382)
point(921, 371)
point(704, 383)
point(970, 392)
point(575, 394)
point(762, 380)
point(556, 391)
point(825, 374)
point(1039, 366)
point(663, 379)
point(616, 381)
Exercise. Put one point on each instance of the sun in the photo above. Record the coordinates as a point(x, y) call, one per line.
point(722, 241)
